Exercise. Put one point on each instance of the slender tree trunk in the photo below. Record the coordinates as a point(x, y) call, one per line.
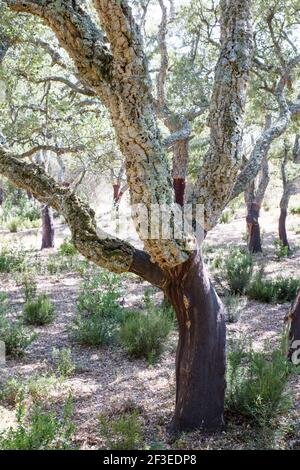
point(282, 227)
point(47, 228)
point(1, 195)
point(116, 193)
point(200, 359)
point(293, 321)
point(180, 162)
point(254, 240)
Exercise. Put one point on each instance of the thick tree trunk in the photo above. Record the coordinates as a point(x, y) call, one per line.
point(282, 227)
point(254, 240)
point(200, 359)
point(293, 321)
point(47, 228)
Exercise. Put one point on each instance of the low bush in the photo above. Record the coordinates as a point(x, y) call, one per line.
point(15, 336)
point(36, 387)
point(295, 210)
point(256, 384)
point(123, 433)
point(39, 428)
point(39, 311)
point(59, 264)
point(144, 334)
point(63, 361)
point(281, 250)
point(11, 260)
point(99, 311)
point(278, 290)
point(237, 270)
point(29, 286)
point(234, 305)
point(226, 216)
point(67, 248)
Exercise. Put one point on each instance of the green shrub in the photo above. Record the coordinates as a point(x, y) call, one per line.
point(238, 268)
point(36, 388)
point(12, 260)
point(59, 264)
point(144, 335)
point(295, 210)
point(281, 250)
point(99, 311)
point(278, 290)
point(123, 433)
point(63, 361)
point(67, 249)
point(256, 384)
point(234, 305)
point(39, 311)
point(39, 429)
point(93, 331)
point(29, 286)
point(10, 390)
point(16, 337)
point(14, 224)
point(226, 216)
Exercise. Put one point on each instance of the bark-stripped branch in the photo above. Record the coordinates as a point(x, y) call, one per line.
point(96, 245)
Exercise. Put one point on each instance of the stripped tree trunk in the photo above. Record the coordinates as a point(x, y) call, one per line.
point(252, 219)
point(180, 162)
point(254, 195)
point(282, 227)
point(116, 193)
point(290, 188)
point(47, 228)
point(293, 322)
point(200, 358)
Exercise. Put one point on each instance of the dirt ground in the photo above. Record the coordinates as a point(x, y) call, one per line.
point(106, 380)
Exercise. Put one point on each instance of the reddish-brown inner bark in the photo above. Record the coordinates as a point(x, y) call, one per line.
point(47, 228)
point(254, 239)
point(282, 227)
point(179, 188)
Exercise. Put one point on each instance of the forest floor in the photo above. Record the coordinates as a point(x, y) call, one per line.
point(107, 382)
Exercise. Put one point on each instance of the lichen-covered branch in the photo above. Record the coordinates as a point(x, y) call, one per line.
point(222, 162)
point(263, 143)
point(52, 148)
point(76, 33)
point(93, 243)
